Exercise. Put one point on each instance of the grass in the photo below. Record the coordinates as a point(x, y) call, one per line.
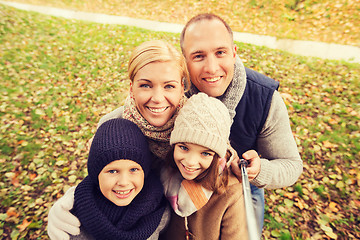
point(58, 77)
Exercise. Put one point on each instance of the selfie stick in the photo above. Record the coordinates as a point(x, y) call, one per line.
point(250, 214)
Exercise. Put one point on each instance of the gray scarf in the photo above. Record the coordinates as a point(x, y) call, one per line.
point(234, 92)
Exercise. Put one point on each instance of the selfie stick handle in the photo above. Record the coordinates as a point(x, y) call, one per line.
point(253, 229)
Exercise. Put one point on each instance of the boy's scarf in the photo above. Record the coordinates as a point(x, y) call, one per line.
point(235, 90)
point(104, 220)
point(158, 137)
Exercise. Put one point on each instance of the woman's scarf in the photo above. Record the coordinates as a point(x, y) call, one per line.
point(235, 90)
point(158, 137)
point(104, 220)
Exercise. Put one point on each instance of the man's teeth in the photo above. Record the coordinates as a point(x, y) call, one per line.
point(122, 192)
point(157, 110)
point(212, 79)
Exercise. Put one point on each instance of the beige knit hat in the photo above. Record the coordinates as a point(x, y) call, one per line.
point(205, 121)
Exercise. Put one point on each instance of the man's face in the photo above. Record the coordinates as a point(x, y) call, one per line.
point(210, 56)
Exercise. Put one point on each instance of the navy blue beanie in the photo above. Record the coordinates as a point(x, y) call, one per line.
point(118, 139)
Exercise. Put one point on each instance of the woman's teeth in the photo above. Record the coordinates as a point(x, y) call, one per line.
point(157, 110)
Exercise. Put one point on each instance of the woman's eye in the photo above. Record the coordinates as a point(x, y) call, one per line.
point(169, 86)
point(144, 86)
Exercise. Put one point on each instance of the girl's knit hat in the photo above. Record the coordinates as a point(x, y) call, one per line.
point(118, 139)
point(205, 121)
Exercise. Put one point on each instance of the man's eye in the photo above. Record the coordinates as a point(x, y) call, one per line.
point(198, 57)
point(220, 53)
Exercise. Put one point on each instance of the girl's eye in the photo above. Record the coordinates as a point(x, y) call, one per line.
point(112, 171)
point(206, 154)
point(134, 169)
point(182, 147)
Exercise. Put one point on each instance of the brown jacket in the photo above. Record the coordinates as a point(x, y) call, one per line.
point(223, 217)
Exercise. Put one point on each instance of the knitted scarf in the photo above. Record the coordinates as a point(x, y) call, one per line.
point(235, 90)
point(158, 137)
point(104, 220)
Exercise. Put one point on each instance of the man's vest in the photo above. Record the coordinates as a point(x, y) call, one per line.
point(252, 111)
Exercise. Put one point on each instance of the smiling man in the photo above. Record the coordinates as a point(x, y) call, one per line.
point(260, 121)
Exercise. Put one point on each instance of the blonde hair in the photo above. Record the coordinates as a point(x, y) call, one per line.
point(157, 51)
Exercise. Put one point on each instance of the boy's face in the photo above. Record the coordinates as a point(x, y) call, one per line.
point(192, 159)
point(210, 56)
point(157, 89)
point(121, 181)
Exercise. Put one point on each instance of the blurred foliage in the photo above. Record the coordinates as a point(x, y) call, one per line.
point(58, 77)
point(336, 21)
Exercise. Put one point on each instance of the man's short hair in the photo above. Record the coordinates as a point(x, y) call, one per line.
point(199, 18)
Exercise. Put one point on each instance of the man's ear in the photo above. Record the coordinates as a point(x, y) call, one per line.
point(235, 50)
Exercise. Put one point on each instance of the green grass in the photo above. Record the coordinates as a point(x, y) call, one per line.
point(58, 77)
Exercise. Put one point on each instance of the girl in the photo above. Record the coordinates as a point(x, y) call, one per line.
point(120, 198)
point(206, 198)
point(158, 76)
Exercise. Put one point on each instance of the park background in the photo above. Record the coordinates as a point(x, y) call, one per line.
point(59, 76)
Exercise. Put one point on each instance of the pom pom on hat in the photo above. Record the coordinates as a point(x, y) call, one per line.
point(205, 121)
point(118, 139)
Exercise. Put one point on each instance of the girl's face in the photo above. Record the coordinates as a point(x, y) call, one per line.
point(157, 89)
point(192, 159)
point(121, 181)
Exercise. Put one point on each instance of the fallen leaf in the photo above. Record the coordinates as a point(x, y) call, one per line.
point(24, 225)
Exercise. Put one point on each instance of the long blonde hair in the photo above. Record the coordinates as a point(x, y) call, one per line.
point(157, 51)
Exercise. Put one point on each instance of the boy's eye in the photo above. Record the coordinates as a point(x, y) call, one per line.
point(112, 171)
point(134, 169)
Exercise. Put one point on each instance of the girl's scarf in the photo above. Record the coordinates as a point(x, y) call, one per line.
point(158, 137)
point(104, 220)
point(235, 90)
point(185, 196)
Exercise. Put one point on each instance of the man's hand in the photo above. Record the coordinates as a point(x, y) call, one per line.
point(253, 167)
point(61, 222)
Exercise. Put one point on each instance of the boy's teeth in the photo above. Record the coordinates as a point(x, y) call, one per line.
point(123, 192)
point(212, 79)
point(157, 110)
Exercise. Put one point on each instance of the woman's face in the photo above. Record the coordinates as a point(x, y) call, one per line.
point(157, 89)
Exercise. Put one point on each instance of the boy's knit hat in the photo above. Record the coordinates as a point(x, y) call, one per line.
point(118, 139)
point(205, 121)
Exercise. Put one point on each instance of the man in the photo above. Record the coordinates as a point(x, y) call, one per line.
point(260, 120)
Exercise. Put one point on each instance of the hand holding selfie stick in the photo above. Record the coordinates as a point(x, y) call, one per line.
point(250, 213)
